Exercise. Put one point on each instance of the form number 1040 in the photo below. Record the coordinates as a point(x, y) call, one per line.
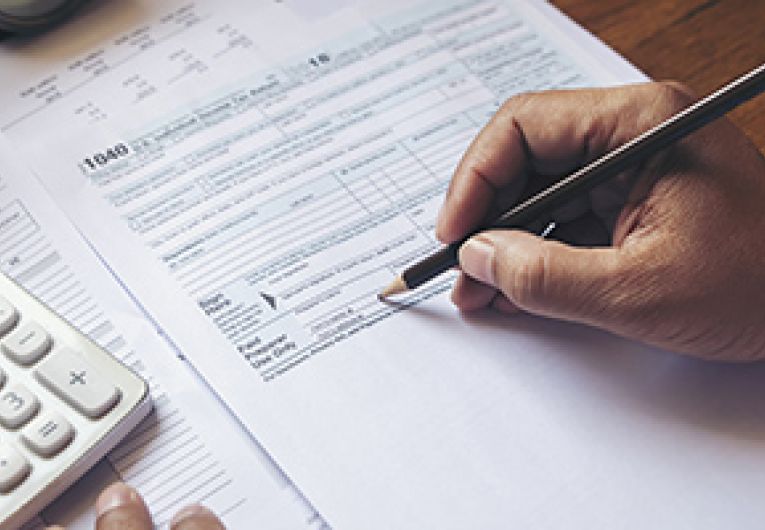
point(104, 158)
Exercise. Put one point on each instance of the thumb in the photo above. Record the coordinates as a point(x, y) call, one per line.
point(196, 517)
point(546, 277)
point(120, 507)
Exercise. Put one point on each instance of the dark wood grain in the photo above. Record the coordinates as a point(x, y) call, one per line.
point(703, 43)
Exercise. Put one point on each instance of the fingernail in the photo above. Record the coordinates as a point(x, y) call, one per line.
point(477, 260)
point(195, 510)
point(114, 496)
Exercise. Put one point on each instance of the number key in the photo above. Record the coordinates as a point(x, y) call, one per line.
point(14, 468)
point(17, 406)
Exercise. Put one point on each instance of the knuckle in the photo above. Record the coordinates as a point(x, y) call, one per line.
point(473, 162)
point(515, 104)
point(673, 95)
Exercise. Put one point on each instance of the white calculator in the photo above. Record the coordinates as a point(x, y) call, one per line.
point(64, 403)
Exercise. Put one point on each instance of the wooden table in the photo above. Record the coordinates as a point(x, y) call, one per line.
point(703, 43)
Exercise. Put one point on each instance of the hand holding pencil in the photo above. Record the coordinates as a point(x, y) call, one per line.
point(670, 252)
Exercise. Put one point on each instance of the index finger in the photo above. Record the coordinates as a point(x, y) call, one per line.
point(545, 133)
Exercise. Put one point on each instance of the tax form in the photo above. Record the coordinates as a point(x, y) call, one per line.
point(254, 172)
point(174, 457)
point(292, 184)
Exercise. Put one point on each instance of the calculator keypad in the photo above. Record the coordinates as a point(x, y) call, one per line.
point(64, 403)
point(28, 423)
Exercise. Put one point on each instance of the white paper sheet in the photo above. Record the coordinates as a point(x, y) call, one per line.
point(254, 178)
point(189, 449)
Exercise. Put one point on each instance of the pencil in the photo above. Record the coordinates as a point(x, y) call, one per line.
point(596, 172)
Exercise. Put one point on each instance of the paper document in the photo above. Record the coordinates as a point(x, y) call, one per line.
point(295, 187)
point(255, 172)
point(188, 450)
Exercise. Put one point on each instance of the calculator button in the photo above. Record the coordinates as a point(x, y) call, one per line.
point(75, 381)
point(17, 406)
point(48, 434)
point(14, 468)
point(27, 344)
point(8, 316)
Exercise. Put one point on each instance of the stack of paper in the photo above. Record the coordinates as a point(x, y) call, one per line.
point(251, 174)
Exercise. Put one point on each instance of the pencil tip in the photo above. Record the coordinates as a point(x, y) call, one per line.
point(398, 286)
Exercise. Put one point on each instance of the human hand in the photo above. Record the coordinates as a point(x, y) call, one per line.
point(120, 507)
point(671, 253)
